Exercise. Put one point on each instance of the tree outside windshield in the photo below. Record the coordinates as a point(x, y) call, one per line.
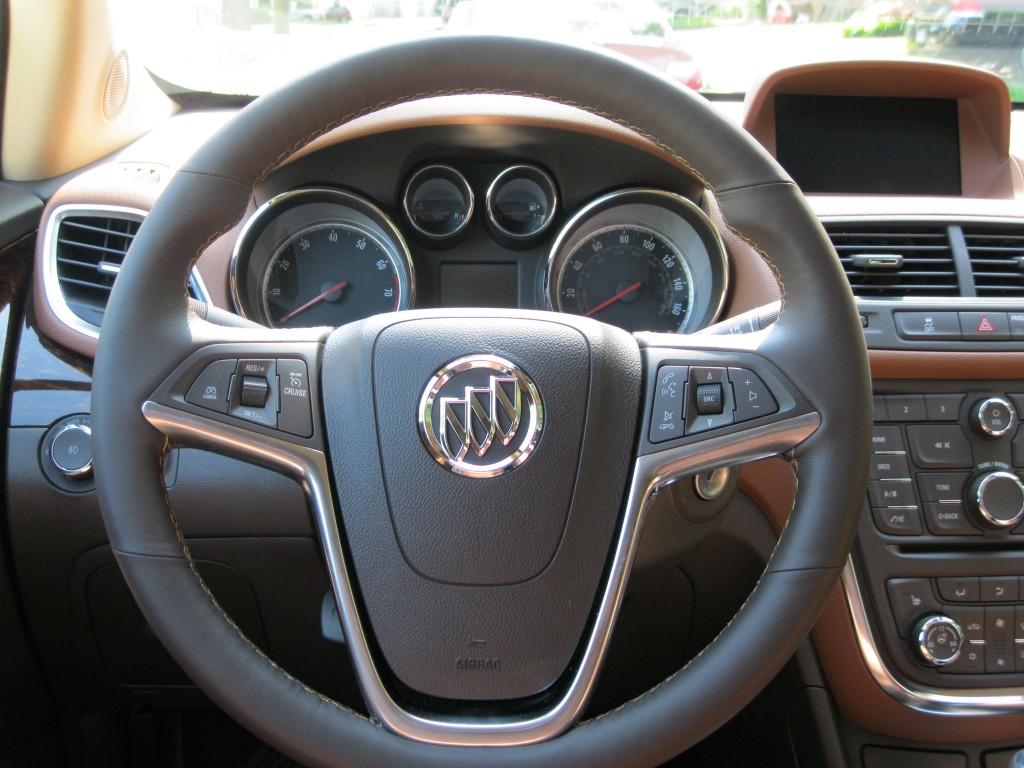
point(715, 46)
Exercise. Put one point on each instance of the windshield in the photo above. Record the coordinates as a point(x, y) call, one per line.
point(714, 46)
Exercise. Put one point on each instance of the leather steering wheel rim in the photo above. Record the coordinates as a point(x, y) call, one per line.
point(148, 329)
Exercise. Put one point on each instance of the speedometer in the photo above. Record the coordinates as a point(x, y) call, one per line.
point(640, 259)
point(629, 276)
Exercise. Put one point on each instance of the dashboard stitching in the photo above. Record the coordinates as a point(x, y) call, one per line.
point(195, 572)
point(301, 143)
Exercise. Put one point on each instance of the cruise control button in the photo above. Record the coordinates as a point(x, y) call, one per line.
point(887, 440)
point(667, 413)
point(892, 466)
point(296, 416)
point(752, 396)
point(959, 590)
point(936, 326)
point(941, 446)
point(985, 326)
point(941, 486)
point(254, 391)
point(943, 407)
point(262, 372)
point(898, 522)
point(891, 493)
point(910, 598)
point(945, 519)
point(211, 389)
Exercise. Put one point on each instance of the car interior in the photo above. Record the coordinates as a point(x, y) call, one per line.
point(684, 429)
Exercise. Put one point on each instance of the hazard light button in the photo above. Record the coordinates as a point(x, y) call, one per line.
point(752, 396)
point(985, 326)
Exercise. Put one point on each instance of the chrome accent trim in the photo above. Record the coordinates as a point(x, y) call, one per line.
point(976, 702)
point(1010, 424)
point(392, 234)
point(459, 181)
point(921, 641)
point(651, 473)
point(51, 282)
point(551, 191)
point(992, 521)
point(434, 421)
point(72, 474)
point(720, 258)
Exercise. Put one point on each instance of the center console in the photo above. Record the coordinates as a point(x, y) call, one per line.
point(940, 555)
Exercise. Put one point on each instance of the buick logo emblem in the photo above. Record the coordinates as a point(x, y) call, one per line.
point(480, 416)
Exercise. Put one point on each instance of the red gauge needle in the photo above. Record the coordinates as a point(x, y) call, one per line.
point(316, 300)
point(613, 299)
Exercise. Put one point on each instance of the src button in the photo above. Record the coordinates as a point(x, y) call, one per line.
point(709, 399)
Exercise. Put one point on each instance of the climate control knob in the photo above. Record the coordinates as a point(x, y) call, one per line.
point(993, 417)
point(936, 640)
point(996, 499)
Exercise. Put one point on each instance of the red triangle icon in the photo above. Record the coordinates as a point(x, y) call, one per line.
point(985, 326)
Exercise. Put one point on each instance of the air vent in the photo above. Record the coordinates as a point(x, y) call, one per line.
point(895, 260)
point(997, 260)
point(90, 251)
point(85, 247)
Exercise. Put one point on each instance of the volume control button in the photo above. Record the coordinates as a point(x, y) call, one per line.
point(993, 418)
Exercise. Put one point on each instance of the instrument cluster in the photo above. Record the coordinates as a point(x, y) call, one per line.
point(642, 259)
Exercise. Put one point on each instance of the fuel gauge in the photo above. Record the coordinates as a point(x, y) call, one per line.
point(438, 201)
point(521, 201)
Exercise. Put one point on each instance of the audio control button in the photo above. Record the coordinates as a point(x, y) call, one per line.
point(992, 418)
point(948, 519)
point(939, 446)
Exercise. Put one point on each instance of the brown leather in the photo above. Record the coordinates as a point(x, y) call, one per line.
point(752, 283)
point(984, 108)
point(861, 700)
point(894, 364)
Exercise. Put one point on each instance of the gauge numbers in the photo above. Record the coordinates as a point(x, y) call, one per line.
point(629, 276)
point(330, 274)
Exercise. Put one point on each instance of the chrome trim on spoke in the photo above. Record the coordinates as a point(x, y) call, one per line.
point(651, 473)
point(923, 698)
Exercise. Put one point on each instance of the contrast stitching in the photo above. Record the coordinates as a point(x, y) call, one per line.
point(195, 572)
point(283, 156)
point(298, 145)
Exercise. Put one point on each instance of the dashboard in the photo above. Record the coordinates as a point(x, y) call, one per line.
point(508, 202)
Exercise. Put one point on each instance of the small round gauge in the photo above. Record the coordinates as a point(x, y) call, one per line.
point(329, 274)
point(521, 201)
point(642, 260)
point(320, 257)
point(438, 201)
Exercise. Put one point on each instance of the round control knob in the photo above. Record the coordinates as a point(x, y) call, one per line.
point(937, 640)
point(996, 499)
point(71, 451)
point(993, 418)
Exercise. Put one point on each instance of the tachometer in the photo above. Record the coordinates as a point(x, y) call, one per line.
point(641, 259)
point(330, 274)
point(320, 257)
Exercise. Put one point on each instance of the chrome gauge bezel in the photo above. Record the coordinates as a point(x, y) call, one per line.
point(289, 214)
point(429, 173)
point(676, 219)
point(510, 175)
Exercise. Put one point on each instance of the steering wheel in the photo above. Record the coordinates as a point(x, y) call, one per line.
point(479, 480)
